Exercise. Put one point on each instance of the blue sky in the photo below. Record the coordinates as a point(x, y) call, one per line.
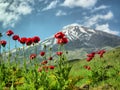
point(46, 17)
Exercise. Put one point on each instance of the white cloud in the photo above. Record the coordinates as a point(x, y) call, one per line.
point(108, 16)
point(106, 28)
point(22, 9)
point(99, 8)
point(94, 21)
point(52, 5)
point(90, 21)
point(79, 3)
point(61, 13)
point(11, 12)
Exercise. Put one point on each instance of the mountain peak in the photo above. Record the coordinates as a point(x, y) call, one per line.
point(81, 39)
point(71, 25)
point(76, 31)
point(77, 27)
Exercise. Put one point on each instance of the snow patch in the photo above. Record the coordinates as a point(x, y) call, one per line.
point(82, 30)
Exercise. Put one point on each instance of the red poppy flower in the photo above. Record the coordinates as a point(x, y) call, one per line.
point(87, 67)
point(59, 35)
point(91, 54)
point(50, 58)
point(3, 43)
point(33, 56)
point(98, 52)
point(45, 67)
point(44, 62)
point(42, 53)
point(63, 40)
point(29, 41)
point(101, 52)
point(39, 69)
point(36, 39)
point(51, 67)
point(9, 32)
point(22, 40)
point(89, 59)
point(101, 55)
point(59, 53)
point(15, 37)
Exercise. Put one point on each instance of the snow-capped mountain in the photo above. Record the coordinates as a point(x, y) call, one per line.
point(72, 33)
point(75, 32)
point(82, 40)
point(82, 37)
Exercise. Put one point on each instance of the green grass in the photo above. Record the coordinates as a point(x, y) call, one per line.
point(109, 65)
point(104, 75)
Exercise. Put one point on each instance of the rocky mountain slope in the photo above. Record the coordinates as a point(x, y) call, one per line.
point(82, 40)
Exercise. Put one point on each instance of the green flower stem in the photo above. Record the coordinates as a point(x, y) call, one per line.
point(31, 68)
point(24, 58)
point(15, 53)
point(60, 47)
point(62, 59)
point(4, 53)
point(12, 86)
point(50, 54)
point(18, 64)
point(16, 46)
point(23, 52)
point(65, 55)
point(36, 49)
point(25, 65)
point(0, 55)
point(63, 68)
point(44, 57)
point(59, 62)
point(9, 54)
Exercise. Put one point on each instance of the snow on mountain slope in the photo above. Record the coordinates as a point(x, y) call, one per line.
point(77, 32)
point(81, 39)
point(73, 32)
point(80, 36)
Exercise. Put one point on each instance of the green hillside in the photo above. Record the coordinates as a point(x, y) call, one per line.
point(104, 73)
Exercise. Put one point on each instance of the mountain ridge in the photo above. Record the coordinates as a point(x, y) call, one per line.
point(82, 40)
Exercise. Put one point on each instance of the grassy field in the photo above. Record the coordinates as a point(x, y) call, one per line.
point(104, 73)
point(47, 70)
